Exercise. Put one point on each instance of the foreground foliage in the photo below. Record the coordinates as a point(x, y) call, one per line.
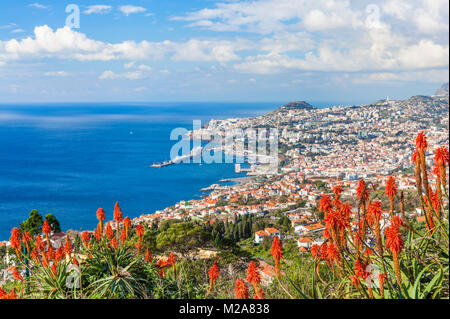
point(386, 256)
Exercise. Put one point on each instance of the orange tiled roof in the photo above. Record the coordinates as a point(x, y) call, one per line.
point(272, 230)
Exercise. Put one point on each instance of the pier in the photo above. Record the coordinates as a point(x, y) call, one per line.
point(162, 164)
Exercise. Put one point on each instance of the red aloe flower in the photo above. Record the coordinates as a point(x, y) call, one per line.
point(127, 222)
point(117, 213)
point(337, 190)
point(241, 289)
point(85, 237)
point(397, 221)
point(68, 247)
point(394, 243)
point(98, 232)
point(381, 280)
point(355, 281)
point(391, 191)
point(437, 171)
point(3, 294)
point(253, 275)
point(123, 235)
point(213, 275)
point(46, 228)
point(326, 233)
point(414, 157)
point(331, 220)
point(44, 261)
point(314, 250)
point(421, 142)
point(323, 253)
point(277, 254)
point(75, 261)
point(50, 253)
point(391, 187)
point(332, 253)
point(162, 264)
point(214, 272)
point(39, 243)
point(346, 210)
point(360, 269)
point(17, 276)
point(114, 243)
point(325, 203)
point(435, 201)
point(35, 255)
point(15, 241)
point(171, 261)
point(101, 217)
point(15, 237)
point(59, 254)
point(109, 232)
point(148, 256)
point(374, 213)
point(140, 231)
point(139, 247)
point(101, 214)
point(361, 190)
point(441, 156)
point(26, 237)
point(53, 271)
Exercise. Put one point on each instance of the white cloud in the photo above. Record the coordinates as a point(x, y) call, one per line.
point(425, 54)
point(334, 35)
point(38, 6)
point(397, 8)
point(98, 9)
point(427, 76)
point(204, 50)
point(57, 73)
point(426, 16)
point(135, 75)
point(17, 31)
point(422, 55)
point(8, 26)
point(65, 43)
point(290, 36)
point(267, 16)
point(127, 10)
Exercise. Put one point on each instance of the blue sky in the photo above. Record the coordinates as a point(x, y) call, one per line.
point(335, 51)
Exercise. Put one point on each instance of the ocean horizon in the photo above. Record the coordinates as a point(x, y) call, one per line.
point(71, 159)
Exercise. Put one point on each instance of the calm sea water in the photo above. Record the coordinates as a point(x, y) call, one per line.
point(70, 159)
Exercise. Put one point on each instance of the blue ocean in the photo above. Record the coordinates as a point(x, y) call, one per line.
point(70, 159)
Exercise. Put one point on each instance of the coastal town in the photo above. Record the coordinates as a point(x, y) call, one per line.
point(327, 147)
point(319, 148)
